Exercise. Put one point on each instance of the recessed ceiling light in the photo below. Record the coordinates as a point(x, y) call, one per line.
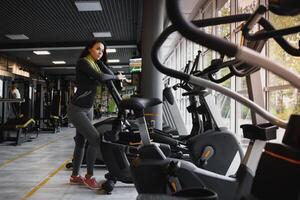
point(113, 60)
point(116, 66)
point(59, 62)
point(41, 52)
point(17, 36)
point(54, 68)
point(101, 34)
point(88, 6)
point(111, 50)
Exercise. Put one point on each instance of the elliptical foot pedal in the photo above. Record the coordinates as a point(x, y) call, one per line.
point(108, 186)
point(264, 131)
point(69, 165)
point(111, 136)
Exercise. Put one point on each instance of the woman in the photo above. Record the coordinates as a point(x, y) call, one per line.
point(80, 111)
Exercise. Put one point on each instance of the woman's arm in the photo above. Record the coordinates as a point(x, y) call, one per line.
point(85, 67)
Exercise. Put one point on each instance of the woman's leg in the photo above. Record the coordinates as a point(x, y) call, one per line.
point(91, 152)
point(81, 119)
point(78, 153)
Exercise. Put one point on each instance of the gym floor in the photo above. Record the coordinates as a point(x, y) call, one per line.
point(36, 170)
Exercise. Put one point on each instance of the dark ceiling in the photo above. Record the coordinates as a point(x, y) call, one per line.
point(57, 26)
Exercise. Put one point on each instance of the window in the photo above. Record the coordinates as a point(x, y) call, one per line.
point(246, 6)
point(178, 58)
point(283, 99)
point(243, 114)
point(189, 50)
point(224, 103)
point(207, 55)
point(224, 29)
point(1, 88)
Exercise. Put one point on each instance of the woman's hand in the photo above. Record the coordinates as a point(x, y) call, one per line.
point(120, 76)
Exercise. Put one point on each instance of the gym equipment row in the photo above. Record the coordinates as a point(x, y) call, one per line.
point(269, 170)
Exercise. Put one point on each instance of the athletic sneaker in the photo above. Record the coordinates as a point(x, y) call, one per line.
point(91, 183)
point(77, 180)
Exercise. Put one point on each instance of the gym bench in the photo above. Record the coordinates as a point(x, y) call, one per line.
point(21, 125)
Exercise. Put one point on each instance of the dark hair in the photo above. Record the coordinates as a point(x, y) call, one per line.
point(90, 45)
point(13, 85)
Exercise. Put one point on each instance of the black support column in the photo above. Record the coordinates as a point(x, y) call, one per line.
point(151, 82)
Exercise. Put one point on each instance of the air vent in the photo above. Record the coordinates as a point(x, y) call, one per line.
point(83, 6)
point(17, 36)
point(101, 34)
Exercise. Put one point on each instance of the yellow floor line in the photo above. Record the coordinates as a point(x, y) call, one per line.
point(45, 180)
point(28, 152)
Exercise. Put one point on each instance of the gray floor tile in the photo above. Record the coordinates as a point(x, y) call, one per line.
point(24, 167)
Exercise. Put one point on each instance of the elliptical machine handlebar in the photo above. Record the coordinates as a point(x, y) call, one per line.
point(270, 31)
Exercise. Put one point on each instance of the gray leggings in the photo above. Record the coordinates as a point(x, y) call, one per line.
point(81, 118)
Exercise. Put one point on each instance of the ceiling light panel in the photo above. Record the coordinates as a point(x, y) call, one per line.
point(101, 34)
point(41, 52)
point(111, 50)
point(17, 36)
point(113, 60)
point(83, 6)
point(59, 62)
point(55, 68)
point(116, 66)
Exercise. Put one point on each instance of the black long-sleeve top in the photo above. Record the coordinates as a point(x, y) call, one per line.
point(88, 76)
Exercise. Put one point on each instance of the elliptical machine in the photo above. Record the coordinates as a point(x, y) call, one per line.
point(118, 149)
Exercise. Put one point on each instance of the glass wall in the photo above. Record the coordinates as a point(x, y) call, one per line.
point(224, 103)
point(281, 98)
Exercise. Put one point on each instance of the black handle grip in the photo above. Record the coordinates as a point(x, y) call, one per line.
point(285, 7)
point(280, 40)
point(270, 31)
point(255, 17)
